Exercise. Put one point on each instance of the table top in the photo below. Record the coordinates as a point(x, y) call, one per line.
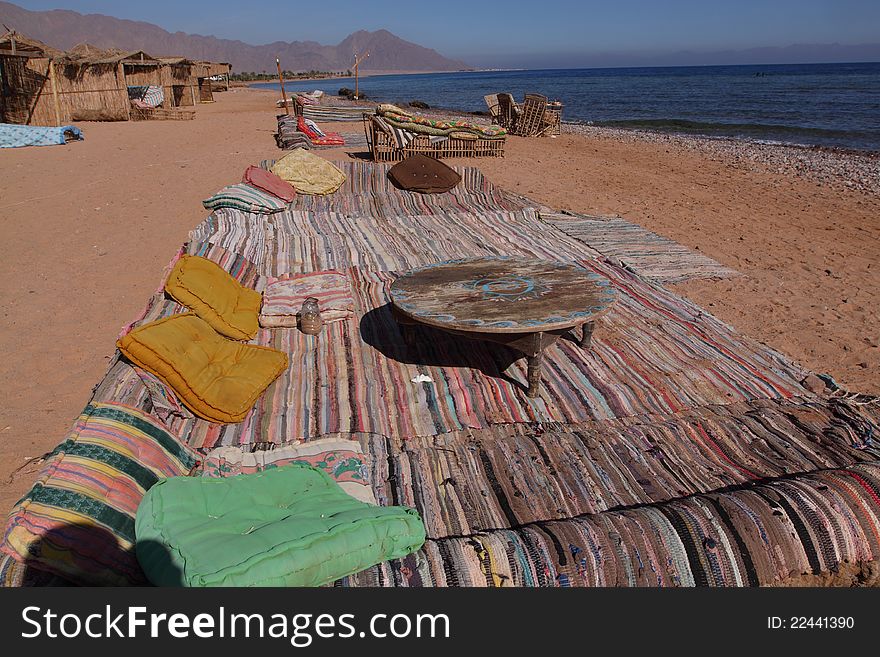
point(502, 295)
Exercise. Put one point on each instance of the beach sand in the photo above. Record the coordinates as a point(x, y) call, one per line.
point(88, 228)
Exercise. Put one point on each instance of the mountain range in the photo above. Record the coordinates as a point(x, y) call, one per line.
point(64, 29)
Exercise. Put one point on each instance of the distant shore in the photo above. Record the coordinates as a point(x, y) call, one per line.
point(363, 74)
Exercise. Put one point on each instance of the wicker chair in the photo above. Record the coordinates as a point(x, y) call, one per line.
point(509, 112)
point(494, 108)
point(531, 120)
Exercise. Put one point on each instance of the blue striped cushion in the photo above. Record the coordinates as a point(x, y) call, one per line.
point(246, 198)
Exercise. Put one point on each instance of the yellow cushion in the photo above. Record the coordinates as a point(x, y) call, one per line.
point(218, 379)
point(212, 294)
point(308, 173)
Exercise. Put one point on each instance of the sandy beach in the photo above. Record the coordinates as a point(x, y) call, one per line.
point(88, 228)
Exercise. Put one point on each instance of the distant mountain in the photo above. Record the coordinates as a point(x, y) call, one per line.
point(64, 29)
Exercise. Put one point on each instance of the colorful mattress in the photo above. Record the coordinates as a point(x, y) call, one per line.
point(417, 124)
point(319, 112)
point(289, 136)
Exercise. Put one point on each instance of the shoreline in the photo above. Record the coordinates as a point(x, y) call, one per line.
point(843, 168)
point(720, 131)
point(797, 150)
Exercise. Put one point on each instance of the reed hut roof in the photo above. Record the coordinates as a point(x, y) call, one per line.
point(13, 43)
point(87, 52)
point(130, 57)
point(175, 60)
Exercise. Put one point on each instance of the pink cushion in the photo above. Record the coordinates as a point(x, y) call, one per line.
point(269, 182)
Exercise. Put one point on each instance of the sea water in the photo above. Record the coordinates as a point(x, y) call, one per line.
point(812, 104)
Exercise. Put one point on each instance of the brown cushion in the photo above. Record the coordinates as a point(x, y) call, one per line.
point(420, 173)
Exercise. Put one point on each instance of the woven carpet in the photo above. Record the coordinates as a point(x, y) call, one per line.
point(367, 191)
point(354, 139)
point(296, 241)
point(753, 536)
point(506, 476)
point(673, 452)
point(654, 352)
point(288, 139)
point(641, 250)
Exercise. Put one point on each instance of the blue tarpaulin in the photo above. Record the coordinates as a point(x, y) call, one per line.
point(13, 135)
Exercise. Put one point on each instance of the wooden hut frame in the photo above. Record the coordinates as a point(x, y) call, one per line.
point(140, 70)
point(384, 148)
point(205, 87)
point(179, 82)
point(216, 69)
point(27, 93)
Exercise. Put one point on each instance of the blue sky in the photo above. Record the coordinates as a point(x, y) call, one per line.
point(558, 32)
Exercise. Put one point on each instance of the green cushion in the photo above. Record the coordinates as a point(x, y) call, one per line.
point(289, 526)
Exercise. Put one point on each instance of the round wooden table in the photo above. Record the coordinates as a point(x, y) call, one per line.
point(522, 303)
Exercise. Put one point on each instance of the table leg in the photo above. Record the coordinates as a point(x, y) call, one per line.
point(587, 334)
point(534, 374)
point(406, 327)
point(409, 334)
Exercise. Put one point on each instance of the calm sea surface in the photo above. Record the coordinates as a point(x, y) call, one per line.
point(813, 104)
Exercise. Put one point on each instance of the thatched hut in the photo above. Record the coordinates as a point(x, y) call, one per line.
point(141, 70)
point(207, 75)
point(26, 95)
point(91, 84)
point(179, 81)
point(43, 86)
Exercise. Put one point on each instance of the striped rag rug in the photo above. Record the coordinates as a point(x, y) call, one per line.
point(471, 481)
point(288, 139)
point(367, 191)
point(300, 242)
point(756, 535)
point(653, 353)
point(641, 250)
point(674, 452)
